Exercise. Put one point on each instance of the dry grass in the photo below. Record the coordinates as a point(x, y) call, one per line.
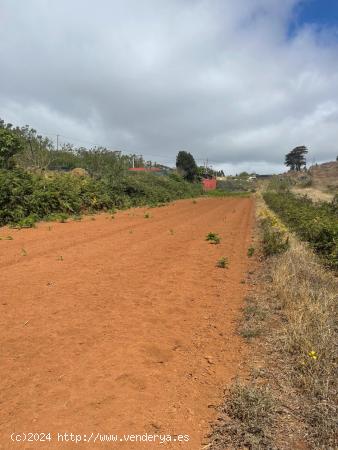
point(246, 421)
point(316, 195)
point(304, 296)
point(307, 296)
point(252, 323)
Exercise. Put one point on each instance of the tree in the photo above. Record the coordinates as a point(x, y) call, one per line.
point(295, 159)
point(10, 145)
point(36, 150)
point(186, 165)
point(244, 175)
point(204, 172)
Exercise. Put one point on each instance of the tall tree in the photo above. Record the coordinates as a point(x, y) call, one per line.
point(36, 151)
point(10, 145)
point(295, 159)
point(186, 165)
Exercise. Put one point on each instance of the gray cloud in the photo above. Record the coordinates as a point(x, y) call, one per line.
point(221, 79)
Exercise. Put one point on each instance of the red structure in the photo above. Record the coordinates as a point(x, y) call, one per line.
point(209, 184)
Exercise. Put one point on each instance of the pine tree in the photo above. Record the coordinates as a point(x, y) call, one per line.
point(295, 159)
point(186, 165)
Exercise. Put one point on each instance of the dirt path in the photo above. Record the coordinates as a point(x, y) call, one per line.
point(121, 325)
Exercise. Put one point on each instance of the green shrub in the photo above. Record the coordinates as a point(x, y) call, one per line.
point(28, 222)
point(235, 184)
point(26, 198)
point(280, 184)
point(223, 263)
point(316, 223)
point(251, 251)
point(213, 238)
point(275, 241)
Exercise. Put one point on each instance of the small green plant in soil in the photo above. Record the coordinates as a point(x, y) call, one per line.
point(26, 222)
point(251, 251)
point(213, 238)
point(223, 263)
point(63, 217)
point(6, 238)
point(147, 216)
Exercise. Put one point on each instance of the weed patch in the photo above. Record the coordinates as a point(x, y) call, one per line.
point(223, 263)
point(252, 324)
point(213, 238)
point(246, 419)
point(251, 252)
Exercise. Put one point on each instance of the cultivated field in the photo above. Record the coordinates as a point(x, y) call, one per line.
point(124, 324)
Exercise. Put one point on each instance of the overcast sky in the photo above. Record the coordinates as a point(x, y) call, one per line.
point(239, 82)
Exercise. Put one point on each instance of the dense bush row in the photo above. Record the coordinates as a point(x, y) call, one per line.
point(315, 223)
point(26, 198)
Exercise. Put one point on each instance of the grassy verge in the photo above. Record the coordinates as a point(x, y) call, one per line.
point(306, 296)
point(287, 398)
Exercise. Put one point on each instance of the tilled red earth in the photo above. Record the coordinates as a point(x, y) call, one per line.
point(121, 326)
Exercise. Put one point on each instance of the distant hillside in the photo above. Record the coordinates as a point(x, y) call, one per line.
point(325, 176)
point(320, 176)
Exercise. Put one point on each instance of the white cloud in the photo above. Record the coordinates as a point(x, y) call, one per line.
point(222, 79)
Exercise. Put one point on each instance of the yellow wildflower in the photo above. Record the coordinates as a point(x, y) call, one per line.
point(313, 354)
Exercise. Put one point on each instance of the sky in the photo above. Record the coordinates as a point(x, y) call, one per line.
point(237, 82)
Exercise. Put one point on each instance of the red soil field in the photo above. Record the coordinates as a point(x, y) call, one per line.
point(122, 326)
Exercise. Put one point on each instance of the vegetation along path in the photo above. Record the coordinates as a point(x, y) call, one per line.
point(122, 325)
